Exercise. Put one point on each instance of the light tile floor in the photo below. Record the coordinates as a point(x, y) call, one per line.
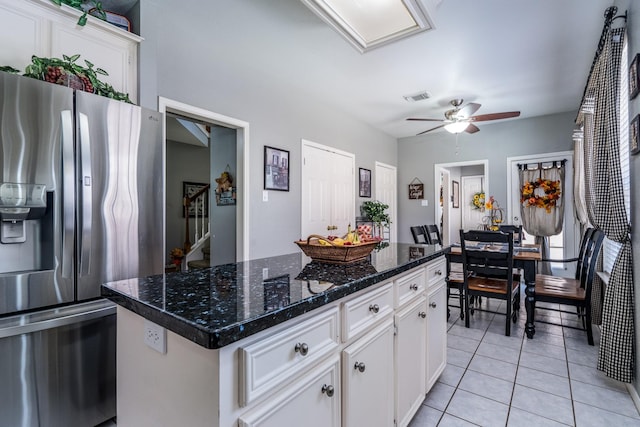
point(551, 380)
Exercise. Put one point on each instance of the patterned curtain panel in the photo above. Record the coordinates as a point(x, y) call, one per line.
point(542, 205)
point(605, 204)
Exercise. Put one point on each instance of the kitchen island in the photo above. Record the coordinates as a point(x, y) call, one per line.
point(283, 341)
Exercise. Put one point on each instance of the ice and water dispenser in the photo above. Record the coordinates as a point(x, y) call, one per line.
point(25, 226)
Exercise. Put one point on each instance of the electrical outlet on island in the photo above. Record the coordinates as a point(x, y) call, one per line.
point(155, 336)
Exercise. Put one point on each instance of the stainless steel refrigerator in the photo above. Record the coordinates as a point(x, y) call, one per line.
point(81, 203)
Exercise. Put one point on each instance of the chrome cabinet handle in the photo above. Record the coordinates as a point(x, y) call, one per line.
point(328, 390)
point(374, 308)
point(439, 272)
point(432, 305)
point(359, 366)
point(413, 287)
point(301, 348)
point(422, 314)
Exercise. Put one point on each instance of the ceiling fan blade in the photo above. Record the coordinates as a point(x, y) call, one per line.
point(472, 128)
point(424, 120)
point(466, 111)
point(429, 130)
point(494, 116)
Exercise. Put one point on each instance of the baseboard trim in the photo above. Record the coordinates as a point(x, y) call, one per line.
point(634, 395)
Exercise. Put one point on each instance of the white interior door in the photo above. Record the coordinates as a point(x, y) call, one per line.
point(471, 218)
point(328, 189)
point(386, 192)
point(446, 207)
point(564, 245)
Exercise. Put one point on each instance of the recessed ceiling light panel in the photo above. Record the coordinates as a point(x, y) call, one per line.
point(367, 24)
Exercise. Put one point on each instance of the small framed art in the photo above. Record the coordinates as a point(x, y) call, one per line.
point(455, 194)
point(276, 169)
point(364, 182)
point(634, 135)
point(188, 190)
point(634, 77)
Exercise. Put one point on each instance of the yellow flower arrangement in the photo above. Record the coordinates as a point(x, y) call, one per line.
point(176, 253)
point(551, 190)
point(478, 201)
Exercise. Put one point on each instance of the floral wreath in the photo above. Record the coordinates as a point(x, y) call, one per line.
point(478, 200)
point(551, 190)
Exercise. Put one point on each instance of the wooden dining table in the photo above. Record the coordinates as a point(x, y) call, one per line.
point(524, 257)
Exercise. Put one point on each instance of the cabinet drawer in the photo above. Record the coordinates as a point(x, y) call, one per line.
point(273, 360)
point(311, 401)
point(364, 311)
point(410, 286)
point(436, 271)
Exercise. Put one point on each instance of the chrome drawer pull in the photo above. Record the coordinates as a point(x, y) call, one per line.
point(359, 366)
point(328, 390)
point(422, 314)
point(432, 305)
point(439, 272)
point(301, 348)
point(413, 287)
point(374, 307)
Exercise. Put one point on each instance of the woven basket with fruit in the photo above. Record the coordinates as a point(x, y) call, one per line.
point(337, 250)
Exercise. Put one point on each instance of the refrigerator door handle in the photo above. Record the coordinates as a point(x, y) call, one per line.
point(86, 201)
point(68, 195)
point(95, 311)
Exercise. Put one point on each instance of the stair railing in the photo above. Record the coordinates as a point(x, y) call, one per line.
point(199, 199)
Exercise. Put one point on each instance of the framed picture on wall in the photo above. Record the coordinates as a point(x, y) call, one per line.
point(276, 169)
point(634, 135)
point(364, 182)
point(634, 77)
point(189, 189)
point(455, 194)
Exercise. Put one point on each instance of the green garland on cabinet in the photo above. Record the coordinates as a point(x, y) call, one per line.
point(77, 4)
point(60, 71)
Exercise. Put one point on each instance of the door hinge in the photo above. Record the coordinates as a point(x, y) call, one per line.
point(395, 329)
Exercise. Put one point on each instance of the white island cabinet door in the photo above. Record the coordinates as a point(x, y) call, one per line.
point(411, 325)
point(367, 371)
point(436, 332)
point(311, 401)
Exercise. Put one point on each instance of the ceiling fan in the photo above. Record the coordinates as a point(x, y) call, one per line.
point(461, 120)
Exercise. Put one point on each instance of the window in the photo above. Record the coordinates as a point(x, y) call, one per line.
point(610, 249)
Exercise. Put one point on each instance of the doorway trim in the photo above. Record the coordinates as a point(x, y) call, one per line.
point(166, 105)
point(393, 204)
point(437, 170)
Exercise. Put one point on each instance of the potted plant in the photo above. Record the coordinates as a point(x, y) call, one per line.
point(67, 72)
point(375, 212)
point(84, 6)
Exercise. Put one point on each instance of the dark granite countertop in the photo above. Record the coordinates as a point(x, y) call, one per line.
point(223, 304)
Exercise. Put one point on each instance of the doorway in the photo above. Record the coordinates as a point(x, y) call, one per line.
point(450, 216)
point(565, 244)
point(221, 125)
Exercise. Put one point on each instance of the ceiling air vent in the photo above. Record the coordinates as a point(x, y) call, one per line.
point(417, 96)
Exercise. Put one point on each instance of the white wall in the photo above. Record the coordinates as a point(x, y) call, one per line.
point(223, 218)
point(495, 142)
point(189, 163)
point(196, 64)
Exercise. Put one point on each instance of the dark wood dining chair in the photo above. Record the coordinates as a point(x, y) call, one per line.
point(574, 292)
point(419, 234)
point(488, 257)
point(579, 259)
point(518, 235)
point(433, 234)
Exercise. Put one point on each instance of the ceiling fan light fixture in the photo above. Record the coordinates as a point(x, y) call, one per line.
point(456, 127)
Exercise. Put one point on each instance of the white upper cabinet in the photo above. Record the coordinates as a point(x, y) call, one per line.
point(39, 27)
